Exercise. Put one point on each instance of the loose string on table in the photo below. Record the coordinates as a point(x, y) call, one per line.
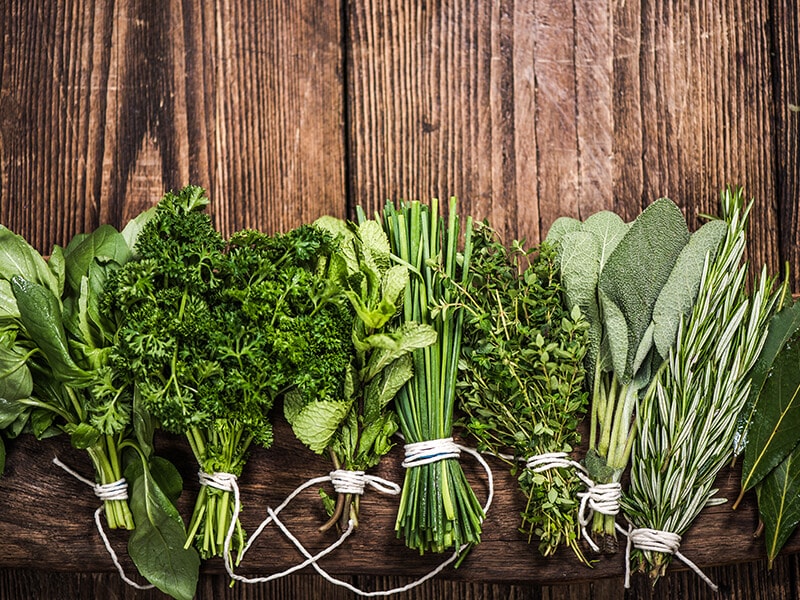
point(655, 540)
point(344, 482)
point(355, 482)
point(116, 490)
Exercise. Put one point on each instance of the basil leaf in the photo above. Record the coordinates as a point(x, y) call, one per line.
point(104, 244)
point(83, 436)
point(773, 435)
point(10, 411)
point(778, 503)
point(156, 545)
point(18, 258)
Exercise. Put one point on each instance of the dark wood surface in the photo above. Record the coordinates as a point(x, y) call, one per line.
point(525, 110)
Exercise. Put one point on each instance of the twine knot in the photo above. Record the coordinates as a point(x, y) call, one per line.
point(354, 482)
point(218, 480)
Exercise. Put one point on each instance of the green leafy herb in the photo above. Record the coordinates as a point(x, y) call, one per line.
point(215, 331)
point(688, 418)
point(522, 375)
point(356, 428)
point(633, 307)
point(438, 509)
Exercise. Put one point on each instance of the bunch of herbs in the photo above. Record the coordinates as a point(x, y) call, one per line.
point(521, 377)
point(689, 416)
point(438, 508)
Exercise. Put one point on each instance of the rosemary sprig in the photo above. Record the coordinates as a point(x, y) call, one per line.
point(688, 417)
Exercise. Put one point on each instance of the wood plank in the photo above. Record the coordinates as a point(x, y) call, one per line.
point(786, 73)
point(57, 512)
point(104, 106)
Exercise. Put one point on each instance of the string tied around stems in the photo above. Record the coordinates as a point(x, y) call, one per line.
point(656, 540)
point(219, 480)
point(600, 498)
point(421, 452)
point(430, 451)
point(116, 490)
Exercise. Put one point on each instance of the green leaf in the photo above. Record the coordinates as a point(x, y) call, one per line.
point(134, 227)
point(41, 316)
point(16, 381)
point(156, 545)
point(773, 434)
point(83, 436)
point(41, 421)
point(58, 266)
point(105, 244)
point(560, 227)
point(18, 258)
point(382, 390)
point(316, 422)
point(678, 295)
point(638, 269)
point(782, 327)
point(779, 503)
point(374, 244)
point(10, 411)
point(8, 303)
point(609, 229)
point(394, 283)
point(389, 347)
point(580, 270)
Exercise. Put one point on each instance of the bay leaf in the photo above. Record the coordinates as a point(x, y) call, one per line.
point(779, 503)
point(773, 429)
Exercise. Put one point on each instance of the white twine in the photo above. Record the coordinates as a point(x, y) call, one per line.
point(117, 490)
point(655, 540)
point(602, 498)
point(344, 482)
point(430, 451)
point(377, 483)
point(218, 480)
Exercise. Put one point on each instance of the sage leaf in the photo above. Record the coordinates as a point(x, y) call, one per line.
point(778, 503)
point(678, 295)
point(156, 545)
point(609, 229)
point(560, 227)
point(773, 432)
point(638, 269)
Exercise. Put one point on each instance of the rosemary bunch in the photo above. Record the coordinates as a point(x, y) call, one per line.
point(688, 417)
point(438, 509)
point(522, 376)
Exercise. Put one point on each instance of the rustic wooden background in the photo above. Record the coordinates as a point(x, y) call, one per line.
point(525, 110)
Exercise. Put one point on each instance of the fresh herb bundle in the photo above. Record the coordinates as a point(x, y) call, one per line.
point(522, 375)
point(688, 418)
point(214, 332)
point(633, 307)
point(57, 376)
point(356, 426)
point(438, 509)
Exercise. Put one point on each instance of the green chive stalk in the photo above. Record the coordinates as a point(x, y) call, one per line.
point(438, 509)
point(687, 419)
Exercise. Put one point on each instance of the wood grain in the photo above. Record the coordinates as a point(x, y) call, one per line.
point(525, 110)
point(35, 496)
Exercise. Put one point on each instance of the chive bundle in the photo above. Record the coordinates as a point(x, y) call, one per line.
point(438, 509)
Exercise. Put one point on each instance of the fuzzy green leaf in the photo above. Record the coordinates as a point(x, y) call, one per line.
point(773, 435)
point(779, 503)
point(316, 422)
point(609, 229)
point(560, 227)
point(638, 269)
point(678, 295)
